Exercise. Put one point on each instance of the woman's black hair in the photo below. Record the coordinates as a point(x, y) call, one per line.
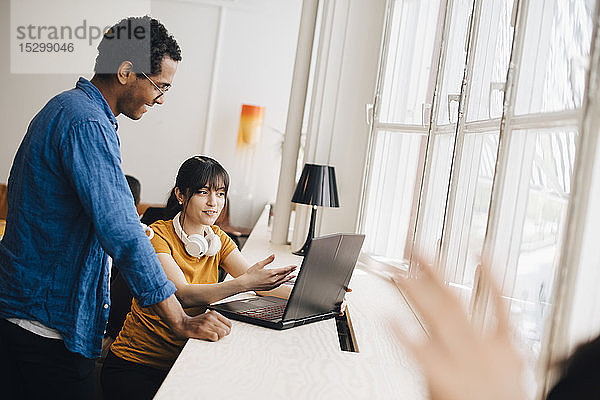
point(194, 174)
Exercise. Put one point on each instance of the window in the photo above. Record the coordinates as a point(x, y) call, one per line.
point(536, 159)
point(400, 127)
point(394, 184)
point(471, 158)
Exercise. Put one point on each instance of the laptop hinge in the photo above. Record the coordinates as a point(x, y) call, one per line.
point(302, 321)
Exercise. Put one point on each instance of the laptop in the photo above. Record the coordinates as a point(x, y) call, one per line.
point(317, 294)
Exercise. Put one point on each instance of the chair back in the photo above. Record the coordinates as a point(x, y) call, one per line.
point(3, 201)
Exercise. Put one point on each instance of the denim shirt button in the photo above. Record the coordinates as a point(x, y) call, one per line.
point(105, 306)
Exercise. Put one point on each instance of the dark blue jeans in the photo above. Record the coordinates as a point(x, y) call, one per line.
point(35, 367)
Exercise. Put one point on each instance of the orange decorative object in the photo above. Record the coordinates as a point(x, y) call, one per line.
point(251, 122)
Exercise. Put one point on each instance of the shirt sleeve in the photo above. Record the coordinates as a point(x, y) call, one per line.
point(91, 160)
point(160, 244)
point(227, 244)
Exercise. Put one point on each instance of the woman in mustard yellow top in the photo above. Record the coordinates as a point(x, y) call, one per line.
point(190, 248)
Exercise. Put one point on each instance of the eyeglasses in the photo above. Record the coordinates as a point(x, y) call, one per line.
point(162, 91)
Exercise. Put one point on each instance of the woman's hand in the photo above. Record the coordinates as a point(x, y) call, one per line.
point(460, 362)
point(257, 277)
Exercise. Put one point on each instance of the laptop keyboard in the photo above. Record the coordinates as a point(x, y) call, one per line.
point(267, 313)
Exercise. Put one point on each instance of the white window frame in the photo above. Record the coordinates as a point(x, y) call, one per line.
point(586, 119)
point(580, 236)
point(373, 113)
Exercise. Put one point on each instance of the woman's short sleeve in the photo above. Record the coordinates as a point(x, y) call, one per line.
point(159, 241)
point(227, 244)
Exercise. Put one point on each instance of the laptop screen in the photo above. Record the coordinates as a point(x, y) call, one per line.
point(324, 276)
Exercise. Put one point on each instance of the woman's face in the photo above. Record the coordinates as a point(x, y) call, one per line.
point(205, 205)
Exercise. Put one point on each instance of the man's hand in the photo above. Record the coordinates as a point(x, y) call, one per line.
point(458, 361)
point(259, 278)
point(208, 326)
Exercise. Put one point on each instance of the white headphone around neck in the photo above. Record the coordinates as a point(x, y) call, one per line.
point(198, 245)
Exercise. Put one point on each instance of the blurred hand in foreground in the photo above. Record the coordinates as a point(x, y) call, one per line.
point(460, 362)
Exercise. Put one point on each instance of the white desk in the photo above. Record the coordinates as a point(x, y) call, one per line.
point(304, 362)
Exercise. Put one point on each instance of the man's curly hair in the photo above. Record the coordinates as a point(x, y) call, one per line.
point(142, 40)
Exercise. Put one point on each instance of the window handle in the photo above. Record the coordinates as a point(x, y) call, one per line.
point(425, 113)
point(369, 113)
point(577, 64)
point(494, 86)
point(453, 98)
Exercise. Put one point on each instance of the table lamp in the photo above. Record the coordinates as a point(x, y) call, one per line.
point(316, 187)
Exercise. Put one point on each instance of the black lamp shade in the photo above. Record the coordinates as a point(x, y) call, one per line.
point(317, 186)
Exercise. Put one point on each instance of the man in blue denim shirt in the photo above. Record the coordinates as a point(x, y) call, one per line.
point(69, 207)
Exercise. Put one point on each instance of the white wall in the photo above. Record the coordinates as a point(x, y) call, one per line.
point(22, 96)
point(344, 83)
point(155, 146)
point(255, 60)
point(255, 63)
point(255, 67)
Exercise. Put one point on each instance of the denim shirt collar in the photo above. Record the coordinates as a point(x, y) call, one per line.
point(94, 94)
